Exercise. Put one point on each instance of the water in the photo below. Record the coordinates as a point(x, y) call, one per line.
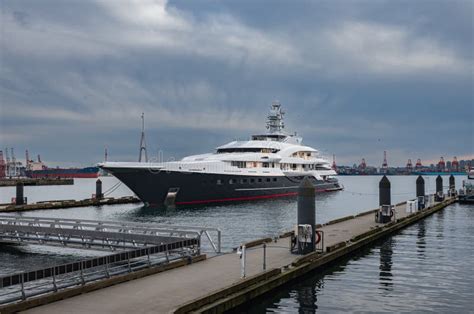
point(425, 268)
point(239, 222)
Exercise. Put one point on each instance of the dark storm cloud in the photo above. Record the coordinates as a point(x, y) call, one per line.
point(356, 78)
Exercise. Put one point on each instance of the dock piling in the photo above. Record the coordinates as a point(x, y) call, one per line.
point(384, 192)
point(385, 213)
point(20, 198)
point(452, 186)
point(420, 192)
point(306, 228)
point(98, 190)
point(439, 189)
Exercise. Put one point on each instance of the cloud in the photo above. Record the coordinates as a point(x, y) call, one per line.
point(348, 74)
point(394, 50)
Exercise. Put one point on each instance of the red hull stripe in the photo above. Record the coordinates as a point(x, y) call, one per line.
point(249, 198)
point(234, 199)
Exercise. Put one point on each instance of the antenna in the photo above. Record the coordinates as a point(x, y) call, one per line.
point(142, 142)
point(105, 154)
point(385, 163)
point(275, 122)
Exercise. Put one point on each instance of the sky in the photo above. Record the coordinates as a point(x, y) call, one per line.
point(354, 77)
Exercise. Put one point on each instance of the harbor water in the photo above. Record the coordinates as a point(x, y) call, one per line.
point(426, 266)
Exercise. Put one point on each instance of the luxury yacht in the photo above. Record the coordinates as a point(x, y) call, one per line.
point(269, 165)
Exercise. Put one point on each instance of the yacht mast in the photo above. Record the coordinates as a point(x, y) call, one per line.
point(275, 118)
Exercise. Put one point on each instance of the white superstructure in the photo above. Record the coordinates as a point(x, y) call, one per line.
point(275, 153)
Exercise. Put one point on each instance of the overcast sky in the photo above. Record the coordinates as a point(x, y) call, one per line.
point(355, 77)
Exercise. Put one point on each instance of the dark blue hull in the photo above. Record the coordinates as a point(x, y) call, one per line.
point(202, 188)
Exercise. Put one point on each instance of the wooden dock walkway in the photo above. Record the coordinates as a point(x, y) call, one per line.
point(216, 284)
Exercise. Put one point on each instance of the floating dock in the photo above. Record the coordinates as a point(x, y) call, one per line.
point(36, 181)
point(59, 204)
point(221, 283)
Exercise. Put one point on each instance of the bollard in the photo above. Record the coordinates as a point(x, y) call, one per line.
point(385, 213)
point(306, 216)
point(243, 261)
point(20, 199)
point(420, 192)
point(98, 190)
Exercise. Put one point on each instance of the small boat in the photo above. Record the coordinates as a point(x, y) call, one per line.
point(466, 195)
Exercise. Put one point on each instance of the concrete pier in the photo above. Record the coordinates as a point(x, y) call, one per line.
point(215, 284)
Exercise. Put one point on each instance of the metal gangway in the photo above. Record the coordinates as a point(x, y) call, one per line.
point(97, 234)
point(135, 246)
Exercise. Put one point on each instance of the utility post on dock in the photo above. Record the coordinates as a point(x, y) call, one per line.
point(306, 225)
point(98, 190)
point(385, 213)
point(439, 189)
point(420, 192)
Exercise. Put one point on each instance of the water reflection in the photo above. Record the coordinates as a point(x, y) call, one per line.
point(385, 274)
point(306, 297)
point(356, 285)
point(421, 240)
point(440, 221)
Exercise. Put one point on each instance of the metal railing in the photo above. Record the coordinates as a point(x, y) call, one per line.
point(22, 286)
point(104, 234)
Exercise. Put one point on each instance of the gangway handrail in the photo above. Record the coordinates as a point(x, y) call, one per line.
point(51, 279)
point(69, 224)
point(111, 222)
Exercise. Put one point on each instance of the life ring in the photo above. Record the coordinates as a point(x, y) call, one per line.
point(391, 213)
point(318, 237)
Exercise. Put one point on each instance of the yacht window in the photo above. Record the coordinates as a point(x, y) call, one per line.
point(260, 180)
point(273, 165)
point(247, 150)
point(294, 166)
point(231, 181)
point(268, 179)
point(252, 180)
point(219, 182)
point(265, 165)
point(244, 181)
point(239, 164)
point(274, 179)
